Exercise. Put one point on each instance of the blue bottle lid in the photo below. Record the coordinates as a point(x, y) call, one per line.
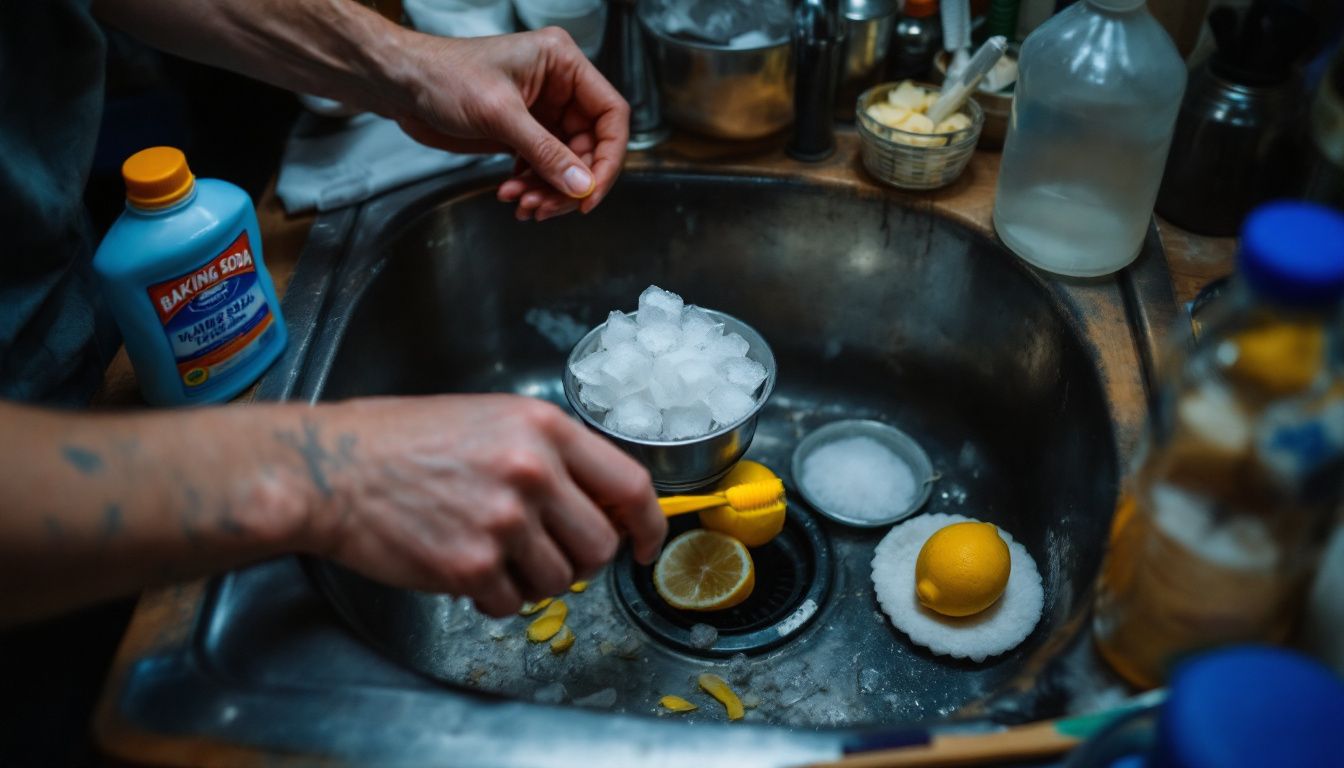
point(1292, 252)
point(1251, 707)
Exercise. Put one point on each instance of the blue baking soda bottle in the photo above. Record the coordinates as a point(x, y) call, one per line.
point(182, 271)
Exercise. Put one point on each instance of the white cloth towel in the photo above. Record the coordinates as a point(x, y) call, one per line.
point(330, 165)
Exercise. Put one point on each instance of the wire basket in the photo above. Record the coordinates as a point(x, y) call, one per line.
point(914, 160)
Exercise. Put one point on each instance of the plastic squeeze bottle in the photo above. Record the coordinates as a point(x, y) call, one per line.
point(1098, 90)
point(1219, 529)
point(182, 271)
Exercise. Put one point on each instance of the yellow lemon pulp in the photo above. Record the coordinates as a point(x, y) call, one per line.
point(962, 569)
point(751, 528)
point(703, 570)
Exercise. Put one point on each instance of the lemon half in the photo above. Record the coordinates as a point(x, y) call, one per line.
point(704, 570)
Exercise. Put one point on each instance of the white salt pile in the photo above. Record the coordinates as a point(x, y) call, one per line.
point(668, 372)
point(860, 479)
point(997, 629)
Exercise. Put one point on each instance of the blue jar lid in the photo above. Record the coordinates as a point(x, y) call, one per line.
point(1292, 252)
point(1251, 707)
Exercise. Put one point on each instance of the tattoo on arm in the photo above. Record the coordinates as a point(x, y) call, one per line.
point(320, 460)
point(227, 522)
point(112, 523)
point(86, 461)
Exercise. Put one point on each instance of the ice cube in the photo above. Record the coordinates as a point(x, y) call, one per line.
point(627, 366)
point(870, 680)
point(589, 369)
point(597, 397)
point(732, 345)
point(633, 416)
point(659, 338)
point(685, 422)
point(659, 306)
point(702, 636)
point(620, 327)
point(699, 377)
point(699, 328)
point(665, 386)
point(743, 373)
point(728, 404)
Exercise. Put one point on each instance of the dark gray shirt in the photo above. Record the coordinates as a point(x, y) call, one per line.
point(55, 335)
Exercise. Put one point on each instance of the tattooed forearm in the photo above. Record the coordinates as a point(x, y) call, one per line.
point(320, 460)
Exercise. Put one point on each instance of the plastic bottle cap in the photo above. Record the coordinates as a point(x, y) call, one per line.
point(1251, 706)
point(918, 9)
point(1293, 252)
point(157, 177)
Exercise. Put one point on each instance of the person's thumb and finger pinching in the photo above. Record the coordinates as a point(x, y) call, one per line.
point(549, 158)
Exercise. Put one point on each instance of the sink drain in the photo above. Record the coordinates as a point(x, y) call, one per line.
point(793, 578)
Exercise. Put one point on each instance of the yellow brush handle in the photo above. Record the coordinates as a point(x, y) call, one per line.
point(678, 505)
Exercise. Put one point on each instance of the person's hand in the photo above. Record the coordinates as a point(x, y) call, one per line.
point(534, 94)
point(495, 497)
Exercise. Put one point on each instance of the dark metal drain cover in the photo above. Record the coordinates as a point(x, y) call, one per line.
point(793, 578)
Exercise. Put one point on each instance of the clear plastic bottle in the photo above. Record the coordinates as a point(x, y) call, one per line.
point(1219, 528)
point(1098, 89)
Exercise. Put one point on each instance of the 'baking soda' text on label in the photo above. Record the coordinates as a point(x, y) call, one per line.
point(214, 316)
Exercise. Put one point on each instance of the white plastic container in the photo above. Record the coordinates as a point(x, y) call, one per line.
point(1095, 105)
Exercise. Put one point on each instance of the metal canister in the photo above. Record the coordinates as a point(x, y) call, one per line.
point(868, 27)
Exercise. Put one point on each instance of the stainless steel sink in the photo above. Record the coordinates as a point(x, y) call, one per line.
point(1025, 390)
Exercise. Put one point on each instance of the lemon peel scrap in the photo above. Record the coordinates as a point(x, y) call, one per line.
point(716, 687)
point(578, 586)
point(677, 704)
point(549, 623)
point(563, 641)
point(530, 608)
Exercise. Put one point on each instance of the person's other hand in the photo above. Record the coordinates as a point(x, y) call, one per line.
point(495, 497)
point(534, 94)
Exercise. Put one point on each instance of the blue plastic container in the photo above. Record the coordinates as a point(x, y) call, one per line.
point(183, 273)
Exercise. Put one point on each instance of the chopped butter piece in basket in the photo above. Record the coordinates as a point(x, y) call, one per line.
point(904, 110)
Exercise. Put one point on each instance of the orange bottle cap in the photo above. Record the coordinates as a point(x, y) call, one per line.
point(920, 8)
point(157, 177)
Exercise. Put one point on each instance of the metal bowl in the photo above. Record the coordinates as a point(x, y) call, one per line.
point(730, 93)
point(677, 466)
point(893, 439)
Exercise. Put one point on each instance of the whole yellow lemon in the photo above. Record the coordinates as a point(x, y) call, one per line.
point(962, 569)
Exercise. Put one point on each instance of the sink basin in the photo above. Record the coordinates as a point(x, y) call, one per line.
point(1025, 390)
